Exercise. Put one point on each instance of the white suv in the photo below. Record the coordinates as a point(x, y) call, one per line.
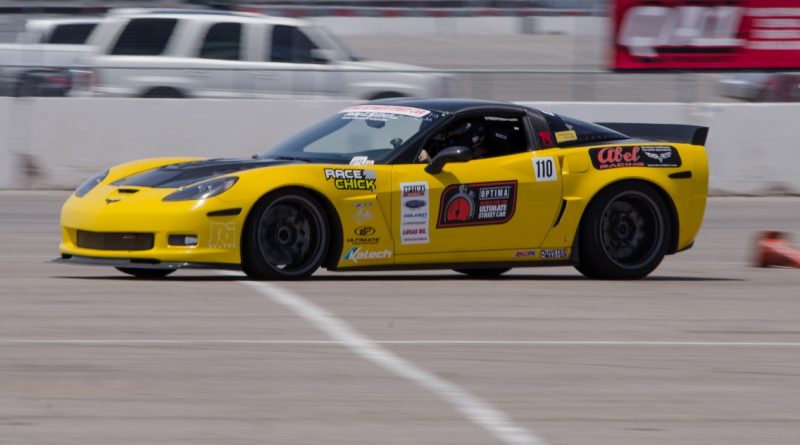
point(180, 53)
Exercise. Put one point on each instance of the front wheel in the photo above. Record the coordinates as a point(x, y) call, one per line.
point(624, 233)
point(286, 237)
point(145, 273)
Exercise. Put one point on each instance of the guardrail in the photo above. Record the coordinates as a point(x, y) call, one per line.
point(499, 84)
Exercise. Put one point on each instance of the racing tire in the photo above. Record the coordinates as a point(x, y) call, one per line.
point(484, 273)
point(624, 234)
point(285, 238)
point(146, 273)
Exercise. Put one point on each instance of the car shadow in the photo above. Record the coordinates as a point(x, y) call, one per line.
point(400, 278)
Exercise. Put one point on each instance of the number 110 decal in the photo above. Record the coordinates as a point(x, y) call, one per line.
point(545, 169)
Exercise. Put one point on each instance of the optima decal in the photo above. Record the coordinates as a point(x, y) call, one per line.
point(477, 204)
point(348, 179)
point(635, 156)
point(414, 211)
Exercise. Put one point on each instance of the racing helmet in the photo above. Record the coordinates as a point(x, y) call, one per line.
point(470, 133)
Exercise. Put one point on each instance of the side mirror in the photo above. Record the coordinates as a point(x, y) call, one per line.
point(456, 153)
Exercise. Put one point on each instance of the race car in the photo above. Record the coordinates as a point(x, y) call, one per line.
point(479, 187)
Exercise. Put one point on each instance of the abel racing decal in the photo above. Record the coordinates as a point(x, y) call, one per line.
point(357, 254)
point(544, 169)
point(477, 204)
point(381, 112)
point(349, 179)
point(635, 156)
point(414, 211)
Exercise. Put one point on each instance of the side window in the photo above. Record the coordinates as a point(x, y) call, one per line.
point(486, 136)
point(290, 44)
point(223, 41)
point(144, 37)
point(75, 34)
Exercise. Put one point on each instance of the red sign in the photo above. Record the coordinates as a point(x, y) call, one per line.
point(706, 34)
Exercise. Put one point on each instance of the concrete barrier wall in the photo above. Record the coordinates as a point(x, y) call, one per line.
point(56, 143)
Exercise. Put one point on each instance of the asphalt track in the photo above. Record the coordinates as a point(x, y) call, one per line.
point(705, 351)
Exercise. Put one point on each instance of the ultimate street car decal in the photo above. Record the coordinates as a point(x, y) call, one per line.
point(635, 156)
point(477, 204)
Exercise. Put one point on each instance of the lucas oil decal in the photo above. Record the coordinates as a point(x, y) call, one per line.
point(477, 204)
point(414, 210)
point(635, 156)
point(350, 179)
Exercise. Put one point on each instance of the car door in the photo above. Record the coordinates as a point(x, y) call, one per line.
point(490, 208)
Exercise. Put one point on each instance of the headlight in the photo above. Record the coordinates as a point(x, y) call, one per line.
point(203, 190)
point(90, 183)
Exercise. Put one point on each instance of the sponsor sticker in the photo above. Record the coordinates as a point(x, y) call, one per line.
point(361, 240)
point(414, 213)
point(635, 156)
point(351, 179)
point(357, 254)
point(364, 231)
point(363, 213)
point(544, 169)
point(566, 136)
point(222, 235)
point(371, 111)
point(361, 160)
point(477, 204)
point(545, 139)
point(524, 253)
point(553, 254)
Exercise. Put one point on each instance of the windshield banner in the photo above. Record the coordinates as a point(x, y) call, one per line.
point(709, 34)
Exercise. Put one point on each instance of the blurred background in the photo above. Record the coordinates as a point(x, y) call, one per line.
point(501, 49)
point(697, 62)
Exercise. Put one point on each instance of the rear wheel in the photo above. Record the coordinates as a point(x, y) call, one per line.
point(145, 273)
point(484, 273)
point(286, 237)
point(624, 233)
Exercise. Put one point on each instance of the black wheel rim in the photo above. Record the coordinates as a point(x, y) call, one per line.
point(291, 236)
point(631, 230)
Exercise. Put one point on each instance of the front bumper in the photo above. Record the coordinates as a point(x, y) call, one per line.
point(78, 260)
point(104, 210)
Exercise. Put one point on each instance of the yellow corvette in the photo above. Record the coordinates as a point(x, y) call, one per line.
point(475, 186)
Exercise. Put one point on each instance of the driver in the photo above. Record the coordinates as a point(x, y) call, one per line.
point(470, 133)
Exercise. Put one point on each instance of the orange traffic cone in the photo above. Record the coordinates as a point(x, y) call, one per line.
point(773, 250)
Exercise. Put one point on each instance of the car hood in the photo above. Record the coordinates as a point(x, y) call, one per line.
point(185, 173)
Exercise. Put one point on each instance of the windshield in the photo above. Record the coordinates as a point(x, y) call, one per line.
point(358, 135)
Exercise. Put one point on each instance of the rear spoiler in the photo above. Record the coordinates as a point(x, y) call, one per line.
point(691, 134)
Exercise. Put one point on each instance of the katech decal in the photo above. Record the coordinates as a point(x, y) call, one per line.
point(349, 179)
point(635, 156)
point(414, 213)
point(477, 204)
point(357, 254)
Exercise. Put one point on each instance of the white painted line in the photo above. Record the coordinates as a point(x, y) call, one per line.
point(495, 422)
point(55, 341)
